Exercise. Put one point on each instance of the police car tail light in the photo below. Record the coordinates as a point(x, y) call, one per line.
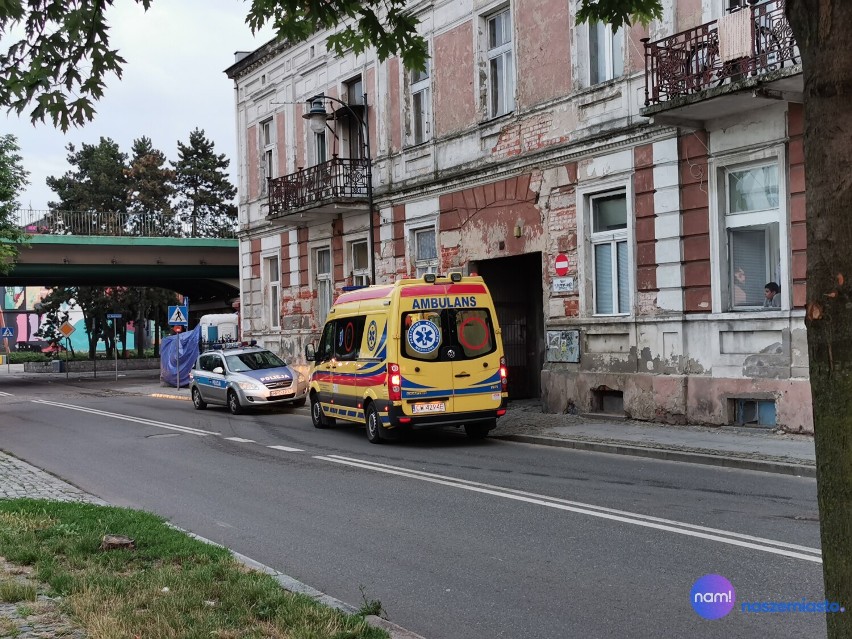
point(394, 381)
point(504, 378)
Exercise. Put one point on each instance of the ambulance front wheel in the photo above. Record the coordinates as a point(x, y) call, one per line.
point(374, 425)
point(318, 418)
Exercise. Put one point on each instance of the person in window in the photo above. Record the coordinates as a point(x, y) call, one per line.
point(740, 295)
point(772, 299)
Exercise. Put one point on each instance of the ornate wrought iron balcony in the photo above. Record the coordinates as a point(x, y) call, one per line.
point(749, 42)
point(322, 187)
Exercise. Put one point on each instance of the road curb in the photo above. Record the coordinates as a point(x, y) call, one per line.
point(799, 470)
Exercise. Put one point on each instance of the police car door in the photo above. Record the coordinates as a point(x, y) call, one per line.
point(217, 383)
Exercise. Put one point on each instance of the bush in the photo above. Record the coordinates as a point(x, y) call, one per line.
point(20, 358)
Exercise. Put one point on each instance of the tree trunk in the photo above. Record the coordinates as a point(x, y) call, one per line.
point(822, 29)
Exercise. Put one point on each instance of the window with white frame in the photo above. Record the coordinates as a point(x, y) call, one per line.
point(425, 251)
point(420, 105)
point(751, 224)
point(609, 253)
point(359, 259)
point(501, 72)
point(273, 294)
point(267, 145)
point(324, 281)
point(606, 53)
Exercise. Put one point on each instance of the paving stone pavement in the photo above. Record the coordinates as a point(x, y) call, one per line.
point(43, 618)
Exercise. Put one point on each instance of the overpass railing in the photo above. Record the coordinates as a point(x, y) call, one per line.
point(115, 224)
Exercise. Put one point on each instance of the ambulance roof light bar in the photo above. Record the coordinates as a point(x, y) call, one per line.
point(429, 278)
point(455, 276)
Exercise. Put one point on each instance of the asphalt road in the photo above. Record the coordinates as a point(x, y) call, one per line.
point(457, 539)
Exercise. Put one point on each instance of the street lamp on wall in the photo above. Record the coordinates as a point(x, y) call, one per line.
point(317, 117)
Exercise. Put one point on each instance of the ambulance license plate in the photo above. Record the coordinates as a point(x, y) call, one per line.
point(430, 407)
point(280, 392)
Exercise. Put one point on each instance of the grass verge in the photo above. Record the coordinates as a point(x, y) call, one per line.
point(170, 585)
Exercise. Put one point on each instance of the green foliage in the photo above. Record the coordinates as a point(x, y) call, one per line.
point(620, 12)
point(206, 194)
point(13, 178)
point(97, 183)
point(383, 24)
point(150, 191)
point(58, 58)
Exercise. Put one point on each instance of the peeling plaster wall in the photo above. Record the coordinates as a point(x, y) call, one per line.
point(543, 50)
point(453, 99)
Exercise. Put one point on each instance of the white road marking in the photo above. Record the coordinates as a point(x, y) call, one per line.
point(2, 394)
point(287, 449)
point(690, 530)
point(240, 439)
point(148, 422)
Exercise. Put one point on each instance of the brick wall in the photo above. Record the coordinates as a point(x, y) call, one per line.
point(695, 221)
point(798, 236)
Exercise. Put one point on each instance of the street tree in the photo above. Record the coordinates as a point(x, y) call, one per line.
point(150, 191)
point(59, 54)
point(204, 191)
point(93, 194)
point(13, 178)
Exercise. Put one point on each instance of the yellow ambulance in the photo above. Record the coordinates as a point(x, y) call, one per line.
point(419, 353)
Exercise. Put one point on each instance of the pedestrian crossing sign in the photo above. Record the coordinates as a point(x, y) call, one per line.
point(177, 316)
point(7, 331)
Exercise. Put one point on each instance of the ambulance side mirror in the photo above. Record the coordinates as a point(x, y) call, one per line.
point(310, 353)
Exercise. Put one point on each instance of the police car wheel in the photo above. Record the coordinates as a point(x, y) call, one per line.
point(234, 403)
point(374, 425)
point(199, 403)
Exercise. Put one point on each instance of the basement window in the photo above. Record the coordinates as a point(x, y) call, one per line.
point(754, 412)
point(607, 401)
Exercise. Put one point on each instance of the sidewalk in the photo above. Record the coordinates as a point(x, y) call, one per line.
point(749, 448)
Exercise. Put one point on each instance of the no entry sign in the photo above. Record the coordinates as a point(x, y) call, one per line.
point(561, 264)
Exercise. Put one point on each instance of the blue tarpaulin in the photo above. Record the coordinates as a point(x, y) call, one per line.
point(181, 348)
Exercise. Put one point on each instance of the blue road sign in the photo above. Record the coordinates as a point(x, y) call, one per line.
point(114, 315)
point(8, 332)
point(178, 316)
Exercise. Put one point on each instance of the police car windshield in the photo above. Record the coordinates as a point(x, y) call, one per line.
point(253, 361)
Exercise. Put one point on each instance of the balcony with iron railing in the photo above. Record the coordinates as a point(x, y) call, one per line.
point(329, 188)
point(740, 62)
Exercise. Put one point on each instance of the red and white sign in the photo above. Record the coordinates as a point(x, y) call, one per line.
point(561, 264)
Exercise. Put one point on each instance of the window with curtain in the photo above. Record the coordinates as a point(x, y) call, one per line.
point(608, 237)
point(752, 226)
point(425, 251)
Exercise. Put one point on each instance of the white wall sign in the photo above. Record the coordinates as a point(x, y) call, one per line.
point(563, 284)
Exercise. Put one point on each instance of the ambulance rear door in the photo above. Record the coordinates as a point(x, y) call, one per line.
point(425, 360)
point(476, 365)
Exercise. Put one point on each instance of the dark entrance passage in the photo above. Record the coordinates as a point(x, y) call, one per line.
point(515, 284)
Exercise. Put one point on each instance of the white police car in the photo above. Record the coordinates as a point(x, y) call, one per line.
point(245, 377)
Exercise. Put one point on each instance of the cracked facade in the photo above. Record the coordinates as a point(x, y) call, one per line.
point(667, 183)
